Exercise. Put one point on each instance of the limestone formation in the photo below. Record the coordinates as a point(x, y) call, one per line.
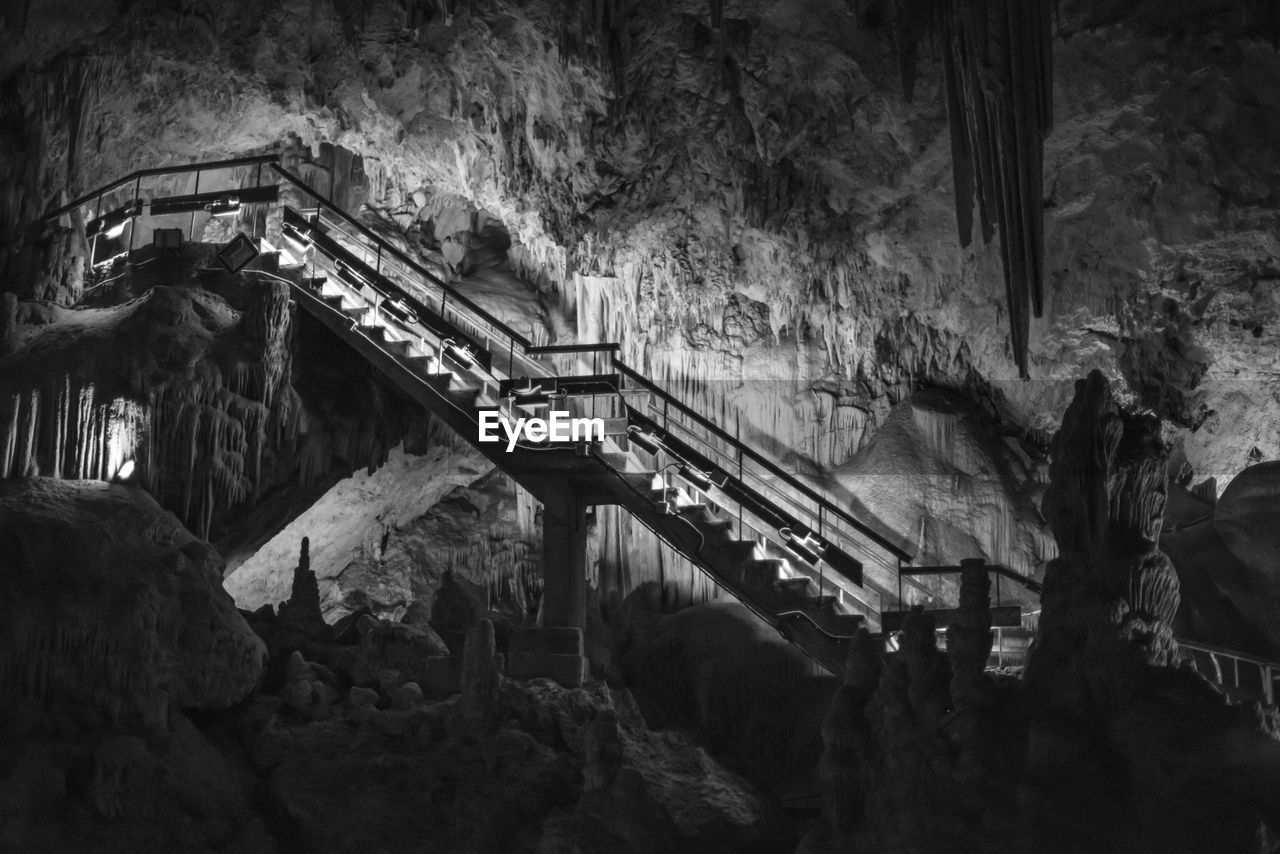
point(112, 610)
point(481, 677)
point(1106, 742)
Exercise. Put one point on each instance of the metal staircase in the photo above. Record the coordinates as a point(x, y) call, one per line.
point(799, 561)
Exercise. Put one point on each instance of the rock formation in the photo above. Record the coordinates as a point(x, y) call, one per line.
point(1106, 744)
point(759, 201)
point(112, 611)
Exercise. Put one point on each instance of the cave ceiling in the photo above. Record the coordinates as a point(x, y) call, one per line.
point(744, 191)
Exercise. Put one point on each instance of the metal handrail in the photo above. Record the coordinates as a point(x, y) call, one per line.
point(1269, 670)
point(824, 507)
point(1011, 574)
point(402, 257)
point(160, 170)
point(758, 458)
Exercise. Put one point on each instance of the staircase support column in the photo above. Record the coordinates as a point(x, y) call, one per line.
point(564, 557)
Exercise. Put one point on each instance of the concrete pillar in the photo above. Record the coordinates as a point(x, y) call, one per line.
point(564, 557)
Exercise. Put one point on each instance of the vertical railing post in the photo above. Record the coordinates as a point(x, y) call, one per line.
point(133, 221)
point(737, 441)
point(901, 604)
point(93, 250)
point(191, 232)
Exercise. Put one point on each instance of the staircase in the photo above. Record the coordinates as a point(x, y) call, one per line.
point(801, 563)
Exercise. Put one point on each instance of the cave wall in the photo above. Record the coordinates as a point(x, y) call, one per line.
point(740, 193)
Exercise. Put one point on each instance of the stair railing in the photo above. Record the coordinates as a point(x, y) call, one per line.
point(1267, 673)
point(800, 505)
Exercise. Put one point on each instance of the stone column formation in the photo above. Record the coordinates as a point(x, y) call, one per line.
point(1105, 506)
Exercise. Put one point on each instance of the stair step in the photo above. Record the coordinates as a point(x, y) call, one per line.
point(821, 605)
point(669, 494)
point(333, 301)
point(706, 516)
point(422, 364)
point(741, 550)
point(762, 573)
point(357, 313)
point(615, 460)
point(794, 587)
point(464, 396)
point(374, 333)
point(314, 283)
point(399, 348)
point(441, 382)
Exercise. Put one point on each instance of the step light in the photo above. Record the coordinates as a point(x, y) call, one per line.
point(697, 477)
point(529, 389)
point(459, 353)
point(804, 548)
point(350, 275)
point(112, 225)
point(647, 441)
point(400, 310)
point(223, 206)
point(294, 236)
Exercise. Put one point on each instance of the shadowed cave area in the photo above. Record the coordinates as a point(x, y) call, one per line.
point(919, 481)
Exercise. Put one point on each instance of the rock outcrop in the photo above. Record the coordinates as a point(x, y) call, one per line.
point(1106, 744)
point(111, 610)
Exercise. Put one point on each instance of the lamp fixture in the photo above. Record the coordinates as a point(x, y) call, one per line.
point(697, 477)
point(295, 237)
point(459, 353)
point(526, 390)
point(124, 472)
point(400, 310)
point(646, 441)
point(805, 548)
point(112, 224)
point(223, 205)
point(350, 275)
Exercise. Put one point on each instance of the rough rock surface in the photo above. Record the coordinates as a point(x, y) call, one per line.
point(718, 669)
point(1226, 557)
point(111, 610)
point(209, 386)
point(1107, 744)
point(937, 473)
point(782, 243)
point(351, 528)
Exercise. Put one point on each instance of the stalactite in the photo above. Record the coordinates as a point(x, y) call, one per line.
point(601, 24)
point(997, 60)
point(197, 437)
